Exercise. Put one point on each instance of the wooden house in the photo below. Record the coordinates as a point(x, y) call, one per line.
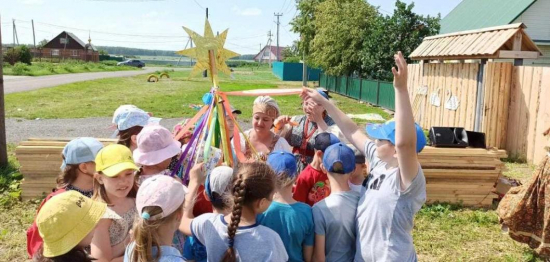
point(66, 45)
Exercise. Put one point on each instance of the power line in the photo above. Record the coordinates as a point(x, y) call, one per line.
point(111, 33)
point(283, 6)
point(198, 4)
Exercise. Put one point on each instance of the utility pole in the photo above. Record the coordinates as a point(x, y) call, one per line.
point(269, 44)
point(33, 34)
point(205, 73)
point(65, 47)
point(3, 145)
point(278, 15)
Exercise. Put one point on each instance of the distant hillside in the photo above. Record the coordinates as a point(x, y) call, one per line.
point(127, 51)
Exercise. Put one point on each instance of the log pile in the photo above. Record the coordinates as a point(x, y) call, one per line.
point(461, 175)
point(40, 161)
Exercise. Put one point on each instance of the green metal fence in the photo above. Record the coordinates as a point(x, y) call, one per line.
point(374, 92)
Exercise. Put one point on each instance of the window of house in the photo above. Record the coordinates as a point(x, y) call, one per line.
point(266, 54)
point(74, 52)
point(55, 52)
point(63, 40)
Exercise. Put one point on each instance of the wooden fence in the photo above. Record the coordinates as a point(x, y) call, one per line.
point(529, 113)
point(514, 114)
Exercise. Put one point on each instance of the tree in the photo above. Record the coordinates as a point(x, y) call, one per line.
point(304, 24)
point(103, 52)
point(403, 31)
point(341, 26)
point(291, 54)
point(42, 43)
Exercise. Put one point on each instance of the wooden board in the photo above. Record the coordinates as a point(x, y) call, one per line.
point(523, 123)
point(533, 112)
point(543, 118)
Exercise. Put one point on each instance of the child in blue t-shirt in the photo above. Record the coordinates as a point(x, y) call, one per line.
point(216, 188)
point(292, 220)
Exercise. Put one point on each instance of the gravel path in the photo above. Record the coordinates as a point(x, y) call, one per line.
point(22, 129)
point(14, 84)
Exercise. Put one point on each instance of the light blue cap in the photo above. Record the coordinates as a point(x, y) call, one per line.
point(132, 117)
point(80, 150)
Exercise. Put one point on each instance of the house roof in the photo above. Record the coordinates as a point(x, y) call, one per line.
point(476, 14)
point(508, 41)
point(75, 38)
point(273, 50)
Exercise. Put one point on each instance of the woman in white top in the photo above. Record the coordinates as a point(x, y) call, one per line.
point(264, 112)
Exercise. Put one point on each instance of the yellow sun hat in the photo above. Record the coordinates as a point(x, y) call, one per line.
point(66, 219)
point(113, 159)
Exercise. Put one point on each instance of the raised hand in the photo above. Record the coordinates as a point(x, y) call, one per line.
point(312, 95)
point(400, 74)
point(197, 174)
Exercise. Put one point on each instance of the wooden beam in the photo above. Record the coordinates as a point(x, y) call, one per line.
point(517, 41)
point(3, 145)
point(458, 57)
point(482, 30)
point(518, 54)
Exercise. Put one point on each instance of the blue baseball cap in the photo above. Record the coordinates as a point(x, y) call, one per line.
point(80, 150)
point(323, 140)
point(323, 92)
point(283, 162)
point(386, 131)
point(132, 117)
point(339, 153)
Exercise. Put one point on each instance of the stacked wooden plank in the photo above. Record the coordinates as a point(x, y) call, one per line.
point(461, 175)
point(40, 160)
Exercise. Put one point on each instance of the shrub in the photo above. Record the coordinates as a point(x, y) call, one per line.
point(11, 56)
point(294, 59)
point(25, 55)
point(109, 62)
point(20, 69)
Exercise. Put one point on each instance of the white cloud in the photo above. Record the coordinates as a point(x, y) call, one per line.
point(31, 2)
point(250, 11)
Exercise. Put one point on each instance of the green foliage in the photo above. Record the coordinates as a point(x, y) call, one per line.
point(403, 31)
point(340, 35)
point(11, 56)
point(103, 52)
point(109, 62)
point(305, 24)
point(292, 59)
point(20, 69)
point(25, 55)
point(350, 37)
point(42, 43)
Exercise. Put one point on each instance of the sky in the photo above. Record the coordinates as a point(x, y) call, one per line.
point(157, 24)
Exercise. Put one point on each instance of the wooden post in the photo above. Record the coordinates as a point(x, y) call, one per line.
point(213, 70)
point(3, 145)
point(480, 96)
point(517, 47)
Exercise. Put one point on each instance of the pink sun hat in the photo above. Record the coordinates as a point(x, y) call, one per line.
point(154, 145)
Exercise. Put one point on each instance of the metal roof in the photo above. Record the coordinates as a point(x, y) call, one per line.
point(493, 42)
point(476, 14)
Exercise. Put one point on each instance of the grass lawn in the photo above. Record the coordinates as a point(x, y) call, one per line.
point(167, 98)
point(48, 68)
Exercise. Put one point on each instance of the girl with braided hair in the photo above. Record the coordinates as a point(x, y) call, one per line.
point(238, 236)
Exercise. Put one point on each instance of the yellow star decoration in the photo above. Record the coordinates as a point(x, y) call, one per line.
point(200, 52)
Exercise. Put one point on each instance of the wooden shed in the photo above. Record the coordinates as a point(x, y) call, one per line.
point(467, 79)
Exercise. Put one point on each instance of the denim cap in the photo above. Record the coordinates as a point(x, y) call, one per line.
point(339, 153)
point(323, 92)
point(132, 117)
point(283, 162)
point(80, 150)
point(386, 131)
point(323, 140)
